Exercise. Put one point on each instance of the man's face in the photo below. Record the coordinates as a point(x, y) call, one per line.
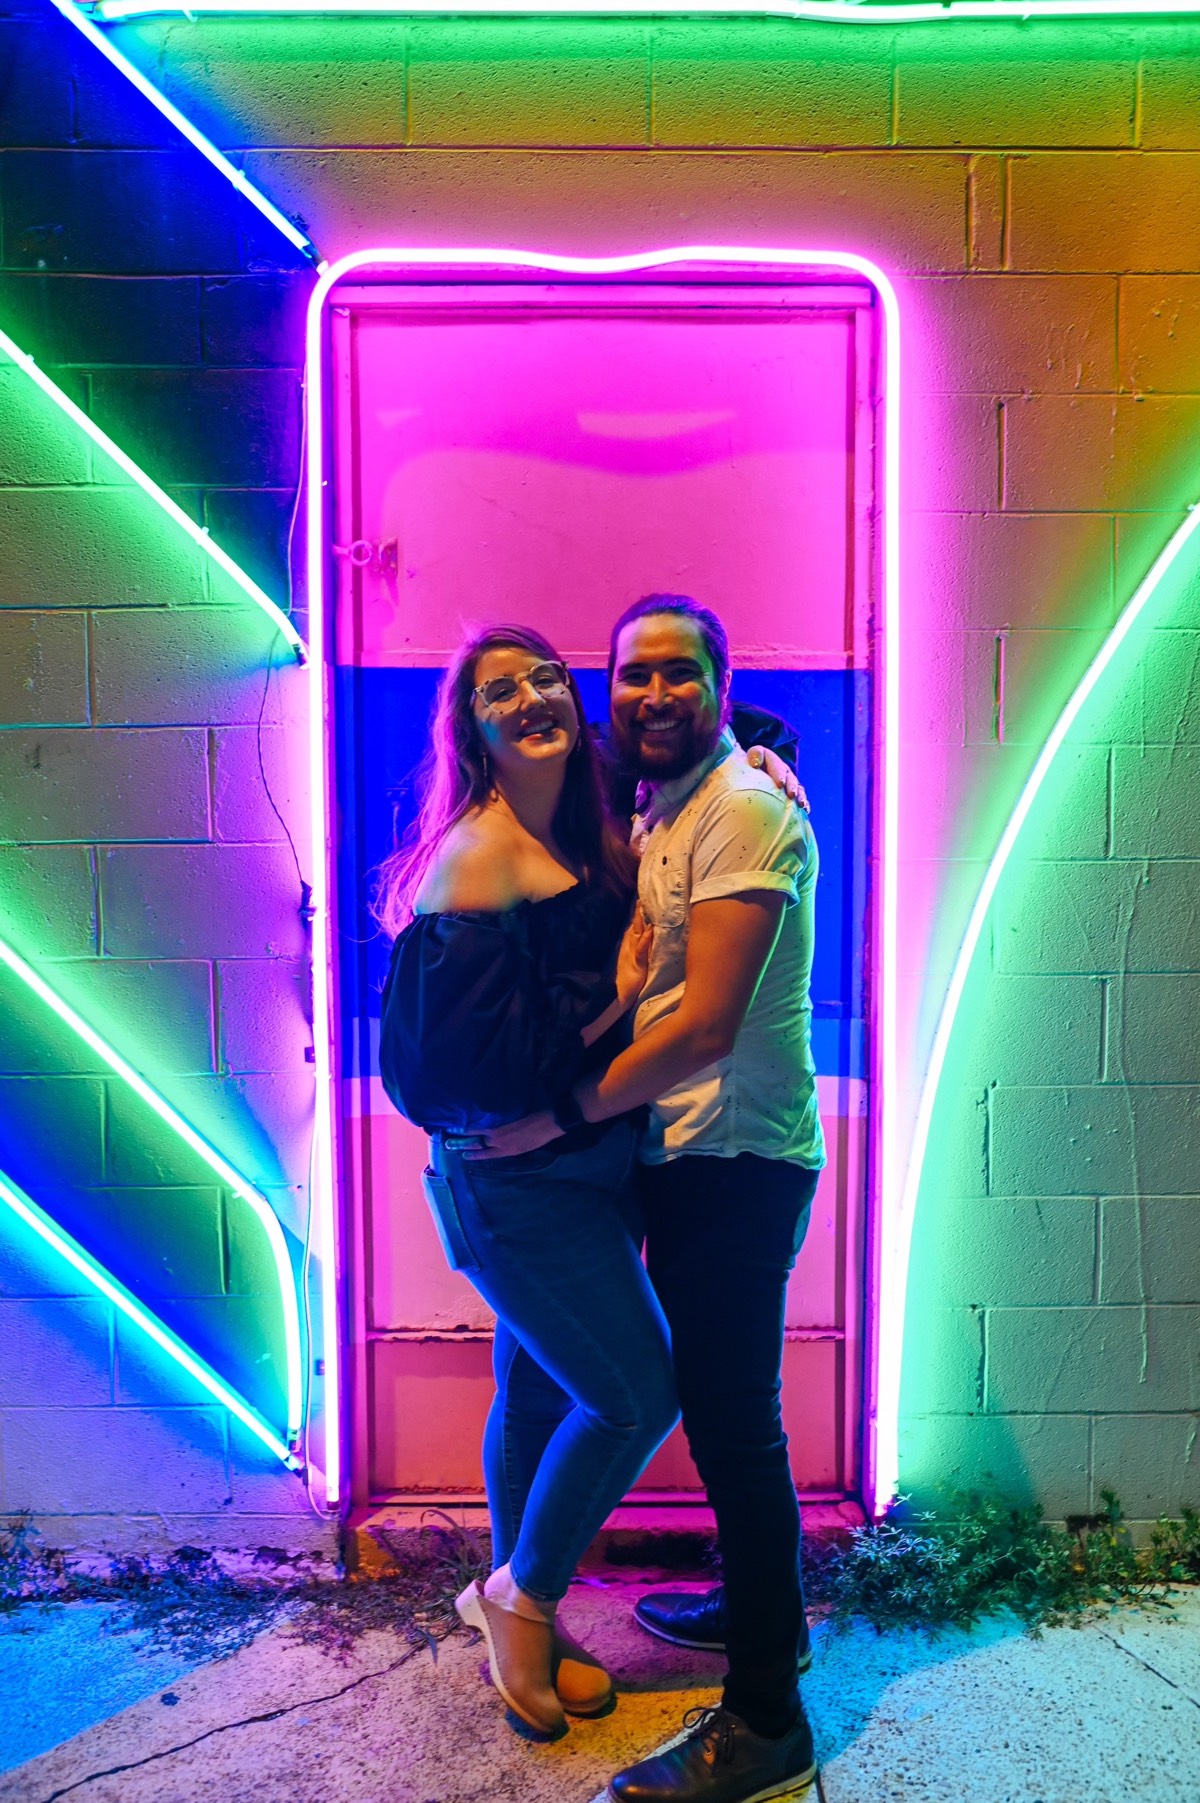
point(666, 710)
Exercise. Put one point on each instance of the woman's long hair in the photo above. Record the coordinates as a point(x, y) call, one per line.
point(451, 781)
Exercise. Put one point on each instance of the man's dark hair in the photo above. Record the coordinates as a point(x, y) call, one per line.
point(708, 624)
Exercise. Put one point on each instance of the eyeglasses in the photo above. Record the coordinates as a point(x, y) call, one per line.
point(503, 693)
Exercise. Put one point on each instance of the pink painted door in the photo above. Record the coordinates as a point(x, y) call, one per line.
point(546, 453)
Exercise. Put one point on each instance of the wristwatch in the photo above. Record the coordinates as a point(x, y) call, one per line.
point(567, 1113)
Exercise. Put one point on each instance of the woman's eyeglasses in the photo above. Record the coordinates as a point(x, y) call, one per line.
point(503, 693)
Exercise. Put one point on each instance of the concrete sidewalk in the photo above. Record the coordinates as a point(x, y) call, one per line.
point(1105, 1713)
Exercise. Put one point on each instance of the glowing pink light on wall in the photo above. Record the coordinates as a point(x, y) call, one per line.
point(886, 1330)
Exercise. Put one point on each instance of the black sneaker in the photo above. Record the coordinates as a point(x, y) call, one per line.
point(721, 1761)
point(697, 1621)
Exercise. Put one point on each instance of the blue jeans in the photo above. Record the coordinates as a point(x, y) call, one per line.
point(585, 1389)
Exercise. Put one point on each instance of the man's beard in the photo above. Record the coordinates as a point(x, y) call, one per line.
point(644, 757)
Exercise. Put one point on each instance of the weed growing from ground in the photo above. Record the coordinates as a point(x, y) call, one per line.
point(925, 1571)
point(934, 1571)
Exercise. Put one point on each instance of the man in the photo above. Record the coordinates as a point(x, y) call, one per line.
point(730, 1162)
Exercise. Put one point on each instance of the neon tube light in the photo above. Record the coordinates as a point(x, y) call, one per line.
point(732, 258)
point(836, 12)
point(79, 17)
point(211, 1157)
point(154, 1329)
point(198, 534)
point(889, 1413)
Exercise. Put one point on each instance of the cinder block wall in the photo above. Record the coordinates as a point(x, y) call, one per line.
point(1034, 191)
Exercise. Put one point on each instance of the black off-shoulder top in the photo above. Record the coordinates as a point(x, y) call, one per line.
point(482, 1012)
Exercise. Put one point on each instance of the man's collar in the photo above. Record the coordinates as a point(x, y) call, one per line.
point(656, 799)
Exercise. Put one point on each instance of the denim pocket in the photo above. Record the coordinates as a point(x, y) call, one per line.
point(448, 1222)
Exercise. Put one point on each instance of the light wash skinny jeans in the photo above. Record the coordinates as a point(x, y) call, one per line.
point(584, 1384)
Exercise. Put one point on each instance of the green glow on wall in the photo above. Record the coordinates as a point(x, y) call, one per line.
point(1061, 1077)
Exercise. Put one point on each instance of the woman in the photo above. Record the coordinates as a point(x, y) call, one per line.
point(510, 904)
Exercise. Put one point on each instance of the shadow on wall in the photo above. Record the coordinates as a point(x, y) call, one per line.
point(1054, 1290)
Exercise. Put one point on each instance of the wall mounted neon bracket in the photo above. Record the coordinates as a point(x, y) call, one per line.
point(429, 264)
point(220, 1165)
point(35, 1218)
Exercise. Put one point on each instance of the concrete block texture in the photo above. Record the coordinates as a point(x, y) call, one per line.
point(264, 1017)
point(97, 547)
point(1014, 334)
point(43, 669)
point(63, 784)
point(128, 1461)
point(78, 319)
point(1110, 1360)
point(1016, 683)
point(1013, 1251)
point(1170, 670)
point(158, 1013)
point(57, 1351)
point(1018, 1029)
point(261, 1122)
point(947, 1376)
point(1169, 98)
point(1096, 452)
point(1090, 210)
point(204, 425)
point(238, 1336)
point(1150, 1026)
point(1158, 333)
point(908, 208)
point(37, 445)
point(1035, 570)
point(1025, 1459)
point(260, 786)
point(586, 83)
point(1105, 1140)
point(1151, 1461)
point(201, 666)
point(1013, 92)
point(52, 1132)
point(48, 900)
point(177, 214)
point(166, 1243)
point(253, 321)
point(202, 901)
point(769, 83)
point(1149, 1248)
point(1154, 809)
point(1099, 918)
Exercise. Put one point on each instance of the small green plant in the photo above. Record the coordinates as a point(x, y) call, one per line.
point(982, 1556)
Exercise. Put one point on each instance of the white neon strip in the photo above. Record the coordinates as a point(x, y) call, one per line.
point(838, 12)
point(79, 17)
point(889, 1463)
point(156, 1330)
point(731, 256)
point(212, 1158)
point(198, 535)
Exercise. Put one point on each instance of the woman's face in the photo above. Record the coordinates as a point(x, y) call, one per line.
point(536, 725)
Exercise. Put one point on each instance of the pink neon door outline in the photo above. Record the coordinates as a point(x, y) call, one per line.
point(892, 1200)
point(379, 553)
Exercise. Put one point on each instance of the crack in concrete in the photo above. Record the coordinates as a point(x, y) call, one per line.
point(249, 1721)
point(1152, 1669)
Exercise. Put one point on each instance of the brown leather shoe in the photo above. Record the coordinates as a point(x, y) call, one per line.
point(584, 1687)
point(519, 1658)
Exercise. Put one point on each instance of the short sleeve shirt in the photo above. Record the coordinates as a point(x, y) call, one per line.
point(725, 830)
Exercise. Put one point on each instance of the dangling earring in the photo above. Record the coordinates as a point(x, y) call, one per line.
point(487, 774)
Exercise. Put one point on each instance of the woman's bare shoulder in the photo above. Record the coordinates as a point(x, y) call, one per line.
point(470, 871)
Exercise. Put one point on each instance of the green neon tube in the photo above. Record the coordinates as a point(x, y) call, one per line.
point(232, 1178)
point(198, 534)
point(35, 1218)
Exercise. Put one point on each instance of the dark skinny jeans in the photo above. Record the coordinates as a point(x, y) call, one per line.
point(722, 1236)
